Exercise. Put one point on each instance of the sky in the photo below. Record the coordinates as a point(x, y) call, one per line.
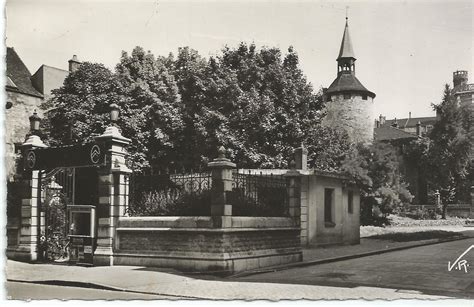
point(406, 50)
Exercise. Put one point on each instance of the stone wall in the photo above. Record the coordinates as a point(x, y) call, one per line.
point(460, 210)
point(17, 125)
point(193, 244)
point(354, 115)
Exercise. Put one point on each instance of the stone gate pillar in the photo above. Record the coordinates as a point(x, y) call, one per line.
point(113, 194)
point(27, 249)
point(293, 177)
point(221, 172)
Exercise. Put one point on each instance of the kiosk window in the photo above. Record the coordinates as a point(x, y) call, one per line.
point(328, 200)
point(81, 224)
point(350, 202)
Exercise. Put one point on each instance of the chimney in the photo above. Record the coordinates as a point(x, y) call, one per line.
point(409, 115)
point(74, 64)
point(301, 158)
point(418, 129)
point(377, 123)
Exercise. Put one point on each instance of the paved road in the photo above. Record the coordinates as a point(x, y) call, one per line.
point(26, 291)
point(413, 273)
point(171, 283)
point(423, 269)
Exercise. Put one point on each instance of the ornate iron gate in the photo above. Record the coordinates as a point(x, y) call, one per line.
point(57, 192)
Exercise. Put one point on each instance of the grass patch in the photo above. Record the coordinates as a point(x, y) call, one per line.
point(417, 236)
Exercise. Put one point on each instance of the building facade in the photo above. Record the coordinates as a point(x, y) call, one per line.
point(22, 100)
point(25, 94)
point(349, 105)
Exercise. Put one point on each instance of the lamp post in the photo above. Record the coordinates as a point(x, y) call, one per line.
point(114, 113)
point(35, 121)
point(112, 129)
point(33, 138)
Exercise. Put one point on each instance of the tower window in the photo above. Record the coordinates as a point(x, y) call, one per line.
point(347, 96)
point(364, 97)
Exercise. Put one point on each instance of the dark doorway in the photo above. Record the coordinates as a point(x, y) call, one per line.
point(86, 186)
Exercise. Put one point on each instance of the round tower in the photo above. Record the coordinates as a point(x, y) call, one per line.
point(460, 77)
point(349, 105)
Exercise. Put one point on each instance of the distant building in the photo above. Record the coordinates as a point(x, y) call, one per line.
point(348, 103)
point(25, 93)
point(462, 92)
point(419, 126)
point(400, 140)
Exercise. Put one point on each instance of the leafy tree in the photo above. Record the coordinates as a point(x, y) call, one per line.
point(179, 109)
point(79, 109)
point(449, 159)
point(375, 168)
point(151, 108)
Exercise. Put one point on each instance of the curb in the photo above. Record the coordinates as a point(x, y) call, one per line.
point(341, 258)
point(96, 286)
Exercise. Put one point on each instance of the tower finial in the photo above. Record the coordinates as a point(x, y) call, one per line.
point(347, 13)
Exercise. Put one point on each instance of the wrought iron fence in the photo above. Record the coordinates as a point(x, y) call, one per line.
point(170, 194)
point(258, 194)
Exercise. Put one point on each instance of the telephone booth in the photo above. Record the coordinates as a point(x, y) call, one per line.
point(82, 233)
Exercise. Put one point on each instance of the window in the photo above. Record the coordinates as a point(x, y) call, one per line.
point(347, 96)
point(364, 97)
point(329, 98)
point(328, 200)
point(350, 202)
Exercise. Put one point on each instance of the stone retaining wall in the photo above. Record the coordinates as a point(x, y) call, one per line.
point(192, 244)
point(465, 211)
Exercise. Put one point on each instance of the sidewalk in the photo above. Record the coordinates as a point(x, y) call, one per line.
point(174, 284)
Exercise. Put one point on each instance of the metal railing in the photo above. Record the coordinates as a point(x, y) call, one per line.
point(169, 194)
point(258, 194)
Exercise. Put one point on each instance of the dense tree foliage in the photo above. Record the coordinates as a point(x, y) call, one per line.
point(179, 109)
point(449, 158)
point(376, 170)
point(444, 158)
point(256, 103)
point(79, 109)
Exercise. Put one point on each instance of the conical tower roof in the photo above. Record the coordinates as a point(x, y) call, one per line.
point(346, 50)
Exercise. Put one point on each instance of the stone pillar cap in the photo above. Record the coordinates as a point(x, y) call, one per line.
point(34, 141)
point(221, 161)
point(113, 133)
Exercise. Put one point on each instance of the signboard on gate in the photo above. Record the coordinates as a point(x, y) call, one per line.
point(91, 154)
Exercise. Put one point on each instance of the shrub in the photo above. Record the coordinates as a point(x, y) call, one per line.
point(172, 203)
point(423, 213)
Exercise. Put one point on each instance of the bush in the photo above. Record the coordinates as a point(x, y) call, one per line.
point(370, 213)
point(172, 203)
point(423, 214)
point(176, 203)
